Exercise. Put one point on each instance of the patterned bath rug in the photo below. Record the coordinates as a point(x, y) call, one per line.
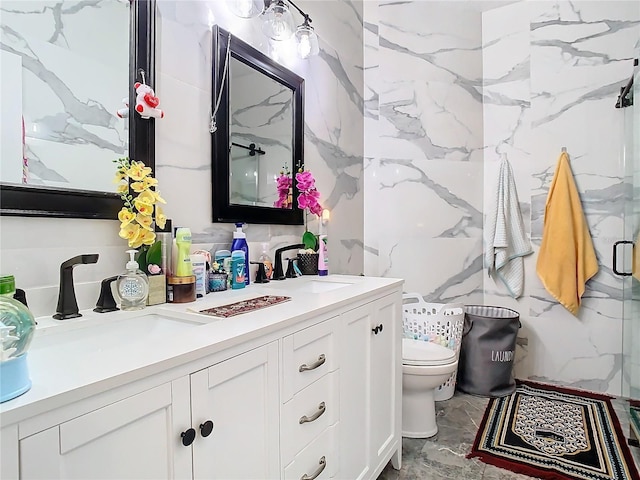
point(244, 306)
point(554, 433)
point(634, 417)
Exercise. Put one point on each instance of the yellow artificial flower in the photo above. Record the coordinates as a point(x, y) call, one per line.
point(147, 237)
point(145, 221)
point(125, 216)
point(136, 187)
point(129, 232)
point(138, 171)
point(156, 197)
point(161, 218)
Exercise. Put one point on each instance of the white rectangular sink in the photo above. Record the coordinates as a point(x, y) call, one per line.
point(111, 335)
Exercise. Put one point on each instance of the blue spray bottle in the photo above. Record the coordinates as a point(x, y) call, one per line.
point(240, 243)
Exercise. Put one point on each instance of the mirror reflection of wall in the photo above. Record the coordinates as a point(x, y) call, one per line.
point(261, 114)
point(65, 72)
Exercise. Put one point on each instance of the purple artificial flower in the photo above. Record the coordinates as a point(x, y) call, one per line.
point(305, 181)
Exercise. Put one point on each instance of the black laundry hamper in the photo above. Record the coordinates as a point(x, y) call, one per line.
point(487, 351)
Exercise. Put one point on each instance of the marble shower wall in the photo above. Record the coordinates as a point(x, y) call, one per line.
point(423, 154)
point(552, 73)
point(333, 122)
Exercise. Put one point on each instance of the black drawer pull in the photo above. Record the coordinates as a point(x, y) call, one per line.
point(206, 428)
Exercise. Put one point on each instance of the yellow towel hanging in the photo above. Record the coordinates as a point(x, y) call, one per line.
point(567, 259)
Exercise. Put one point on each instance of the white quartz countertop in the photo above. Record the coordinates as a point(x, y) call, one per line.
point(73, 359)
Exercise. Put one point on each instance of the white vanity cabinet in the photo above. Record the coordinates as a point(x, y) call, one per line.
point(370, 388)
point(314, 394)
point(220, 422)
point(123, 440)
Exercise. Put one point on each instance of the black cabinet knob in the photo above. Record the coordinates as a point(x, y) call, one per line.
point(188, 436)
point(375, 330)
point(206, 428)
point(380, 327)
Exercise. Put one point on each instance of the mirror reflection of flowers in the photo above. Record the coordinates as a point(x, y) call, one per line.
point(138, 190)
point(284, 185)
point(308, 201)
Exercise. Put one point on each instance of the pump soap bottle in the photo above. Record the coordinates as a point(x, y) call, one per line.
point(240, 243)
point(132, 285)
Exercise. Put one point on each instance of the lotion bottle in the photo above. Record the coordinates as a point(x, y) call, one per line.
point(132, 285)
point(240, 243)
point(183, 247)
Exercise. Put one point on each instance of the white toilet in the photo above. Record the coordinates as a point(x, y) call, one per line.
point(425, 366)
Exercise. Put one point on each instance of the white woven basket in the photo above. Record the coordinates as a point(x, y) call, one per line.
point(441, 323)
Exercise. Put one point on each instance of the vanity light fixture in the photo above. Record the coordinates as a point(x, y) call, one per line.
point(278, 23)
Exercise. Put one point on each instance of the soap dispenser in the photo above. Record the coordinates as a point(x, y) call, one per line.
point(133, 285)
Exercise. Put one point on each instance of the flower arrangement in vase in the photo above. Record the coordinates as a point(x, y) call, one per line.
point(140, 213)
point(308, 202)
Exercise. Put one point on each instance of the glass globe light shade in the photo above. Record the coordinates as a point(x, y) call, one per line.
point(245, 8)
point(278, 23)
point(307, 41)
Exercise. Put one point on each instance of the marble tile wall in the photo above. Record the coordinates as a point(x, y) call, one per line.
point(333, 122)
point(423, 153)
point(33, 248)
point(552, 73)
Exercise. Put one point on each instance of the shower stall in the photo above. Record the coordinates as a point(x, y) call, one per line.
point(631, 247)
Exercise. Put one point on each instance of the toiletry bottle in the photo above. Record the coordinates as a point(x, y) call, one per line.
point(132, 285)
point(165, 237)
point(264, 258)
point(198, 265)
point(17, 329)
point(238, 269)
point(323, 259)
point(183, 260)
point(240, 243)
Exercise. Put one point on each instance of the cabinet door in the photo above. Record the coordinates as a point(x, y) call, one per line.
point(355, 406)
point(135, 438)
point(386, 379)
point(240, 397)
point(9, 452)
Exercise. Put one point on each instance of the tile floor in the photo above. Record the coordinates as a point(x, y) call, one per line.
point(443, 456)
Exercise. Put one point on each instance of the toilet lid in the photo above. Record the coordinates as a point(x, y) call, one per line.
point(418, 352)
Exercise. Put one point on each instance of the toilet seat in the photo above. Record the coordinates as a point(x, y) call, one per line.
point(421, 353)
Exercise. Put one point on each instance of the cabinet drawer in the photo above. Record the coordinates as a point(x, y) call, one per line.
point(307, 355)
point(321, 454)
point(308, 413)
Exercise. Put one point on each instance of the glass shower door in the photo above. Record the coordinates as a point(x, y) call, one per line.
point(631, 295)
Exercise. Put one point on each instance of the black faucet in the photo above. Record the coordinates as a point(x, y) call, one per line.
point(106, 302)
point(67, 304)
point(278, 274)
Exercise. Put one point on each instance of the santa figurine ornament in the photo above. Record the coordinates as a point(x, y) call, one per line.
point(147, 102)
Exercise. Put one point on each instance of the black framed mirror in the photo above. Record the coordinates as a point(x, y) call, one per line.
point(259, 134)
point(49, 201)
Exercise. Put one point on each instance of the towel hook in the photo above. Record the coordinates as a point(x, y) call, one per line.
point(564, 149)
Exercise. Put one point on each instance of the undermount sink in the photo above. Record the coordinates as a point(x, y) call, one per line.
point(111, 335)
point(319, 286)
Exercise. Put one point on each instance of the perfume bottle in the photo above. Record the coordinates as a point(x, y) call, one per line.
point(132, 285)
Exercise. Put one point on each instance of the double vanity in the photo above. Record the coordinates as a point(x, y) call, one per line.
point(308, 388)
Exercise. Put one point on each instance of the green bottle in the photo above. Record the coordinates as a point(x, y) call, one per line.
point(17, 327)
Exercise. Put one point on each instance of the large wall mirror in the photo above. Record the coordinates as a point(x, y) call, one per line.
point(259, 134)
point(68, 66)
